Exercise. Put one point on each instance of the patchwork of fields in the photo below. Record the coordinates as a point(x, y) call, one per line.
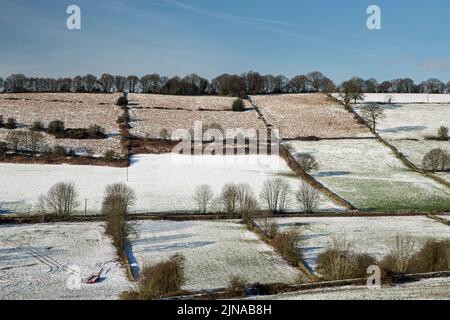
point(52, 261)
point(214, 252)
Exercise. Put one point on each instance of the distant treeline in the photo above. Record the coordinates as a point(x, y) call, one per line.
point(225, 84)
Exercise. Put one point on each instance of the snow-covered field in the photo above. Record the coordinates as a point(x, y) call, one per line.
point(162, 182)
point(412, 121)
point(370, 235)
point(367, 173)
point(47, 261)
point(429, 289)
point(406, 98)
point(214, 251)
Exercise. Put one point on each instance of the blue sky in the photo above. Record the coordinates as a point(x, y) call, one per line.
point(211, 37)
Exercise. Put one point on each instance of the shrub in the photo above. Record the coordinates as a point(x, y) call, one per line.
point(95, 131)
point(443, 133)
point(56, 127)
point(238, 105)
point(115, 207)
point(1, 121)
point(37, 126)
point(287, 244)
point(236, 286)
point(59, 151)
point(307, 162)
point(307, 197)
point(162, 278)
point(123, 119)
point(62, 198)
point(435, 160)
point(434, 256)
point(268, 226)
point(276, 195)
point(202, 198)
point(122, 101)
point(110, 156)
point(3, 150)
point(10, 124)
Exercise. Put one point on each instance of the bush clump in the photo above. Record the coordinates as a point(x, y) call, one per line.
point(110, 156)
point(238, 105)
point(56, 127)
point(122, 101)
point(434, 256)
point(162, 279)
point(59, 151)
point(37, 126)
point(10, 124)
point(236, 286)
point(287, 244)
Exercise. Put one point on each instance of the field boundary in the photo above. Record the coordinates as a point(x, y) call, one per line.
point(189, 216)
point(276, 289)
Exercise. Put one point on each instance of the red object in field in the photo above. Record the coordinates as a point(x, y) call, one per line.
point(94, 278)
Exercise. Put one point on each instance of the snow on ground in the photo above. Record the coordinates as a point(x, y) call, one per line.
point(370, 235)
point(416, 150)
point(214, 251)
point(429, 289)
point(162, 182)
point(412, 121)
point(367, 173)
point(36, 260)
point(406, 98)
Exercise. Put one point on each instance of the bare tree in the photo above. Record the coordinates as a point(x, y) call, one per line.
point(276, 195)
point(401, 249)
point(15, 139)
point(35, 139)
point(299, 83)
point(435, 160)
point(89, 82)
point(41, 207)
point(3, 150)
point(307, 197)
point(62, 198)
point(350, 91)
point(106, 82)
point(202, 197)
point(335, 263)
point(230, 197)
point(307, 162)
point(247, 203)
point(132, 83)
point(120, 83)
point(443, 133)
point(372, 113)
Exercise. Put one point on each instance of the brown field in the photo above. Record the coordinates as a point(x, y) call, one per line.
point(77, 110)
point(309, 115)
point(150, 114)
point(192, 103)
